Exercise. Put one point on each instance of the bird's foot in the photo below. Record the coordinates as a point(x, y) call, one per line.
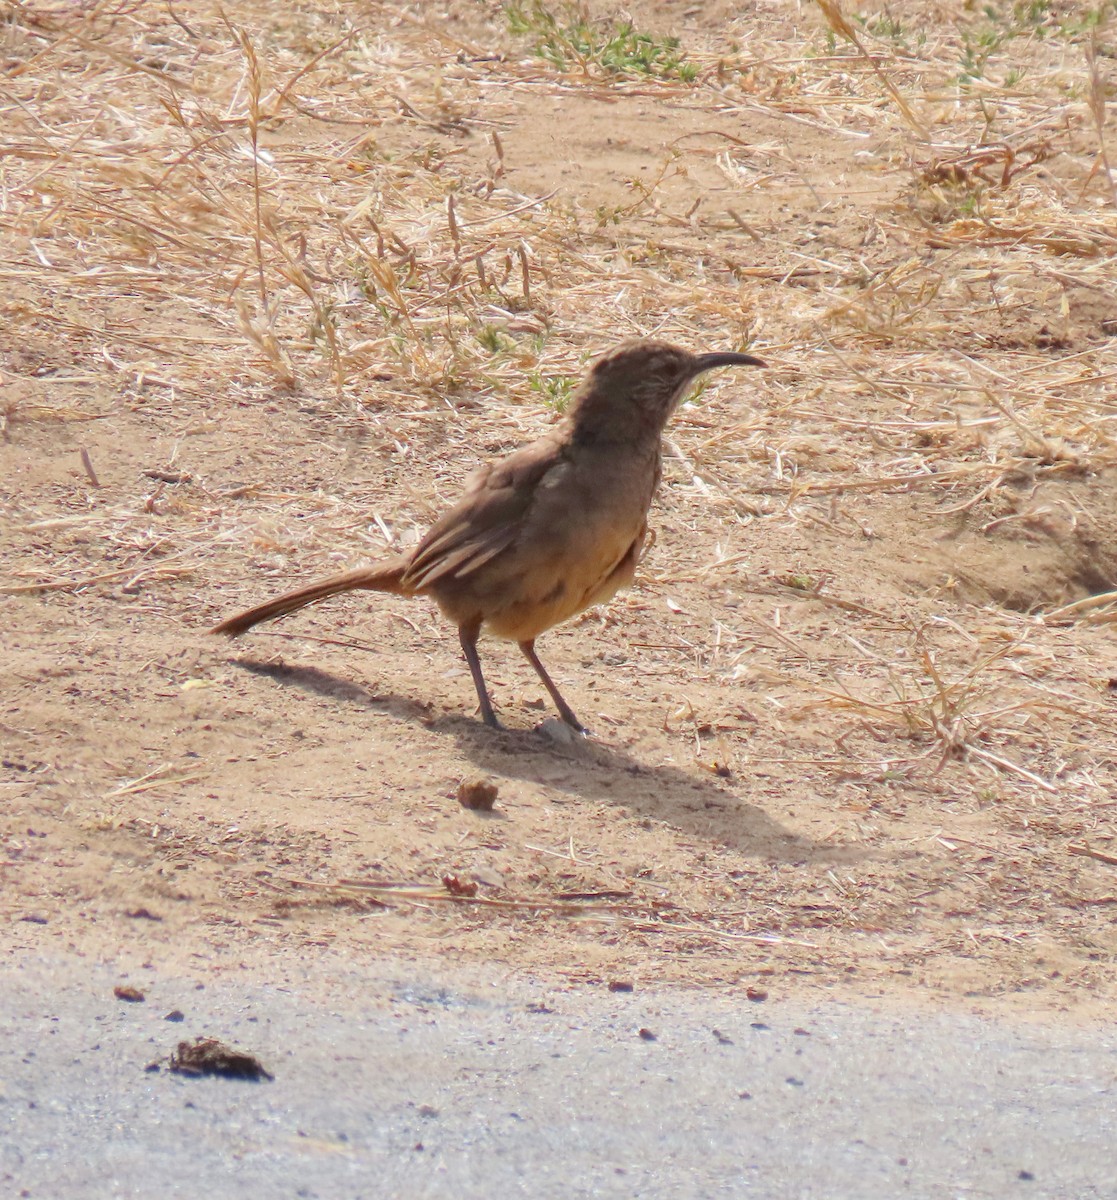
point(562, 732)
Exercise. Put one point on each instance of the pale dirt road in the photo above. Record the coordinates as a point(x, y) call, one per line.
point(399, 1080)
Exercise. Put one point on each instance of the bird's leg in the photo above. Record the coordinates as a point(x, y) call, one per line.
point(467, 635)
point(564, 709)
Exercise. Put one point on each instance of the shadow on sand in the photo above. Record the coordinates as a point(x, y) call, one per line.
point(703, 808)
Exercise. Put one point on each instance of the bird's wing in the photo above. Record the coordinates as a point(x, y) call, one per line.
point(487, 519)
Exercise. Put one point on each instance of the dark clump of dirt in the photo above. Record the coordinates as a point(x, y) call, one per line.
point(478, 794)
point(208, 1056)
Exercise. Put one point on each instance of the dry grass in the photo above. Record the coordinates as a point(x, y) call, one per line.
point(314, 212)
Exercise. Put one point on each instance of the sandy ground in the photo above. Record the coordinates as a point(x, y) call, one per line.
point(853, 727)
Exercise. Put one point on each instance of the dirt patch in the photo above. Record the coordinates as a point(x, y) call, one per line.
point(266, 310)
point(1040, 545)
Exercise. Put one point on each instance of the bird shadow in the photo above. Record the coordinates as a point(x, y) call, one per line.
point(333, 687)
point(706, 809)
point(592, 769)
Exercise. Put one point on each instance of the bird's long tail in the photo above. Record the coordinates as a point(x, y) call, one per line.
point(383, 577)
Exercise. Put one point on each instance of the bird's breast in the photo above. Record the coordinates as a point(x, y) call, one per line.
point(578, 544)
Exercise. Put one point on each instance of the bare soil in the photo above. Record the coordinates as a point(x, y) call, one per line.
point(272, 286)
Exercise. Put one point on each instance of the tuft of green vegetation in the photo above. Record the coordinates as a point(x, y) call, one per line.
point(883, 26)
point(800, 583)
point(1081, 21)
point(556, 390)
point(494, 339)
point(887, 28)
point(1002, 23)
point(567, 38)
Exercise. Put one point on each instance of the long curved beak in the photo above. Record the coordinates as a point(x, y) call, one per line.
point(725, 358)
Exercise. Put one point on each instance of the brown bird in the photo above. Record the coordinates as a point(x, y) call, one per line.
point(553, 528)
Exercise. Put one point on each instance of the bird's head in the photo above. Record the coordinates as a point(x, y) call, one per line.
point(636, 387)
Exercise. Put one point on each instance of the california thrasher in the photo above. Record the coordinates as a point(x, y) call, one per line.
point(553, 528)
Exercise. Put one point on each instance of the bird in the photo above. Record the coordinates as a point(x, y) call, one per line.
point(550, 530)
